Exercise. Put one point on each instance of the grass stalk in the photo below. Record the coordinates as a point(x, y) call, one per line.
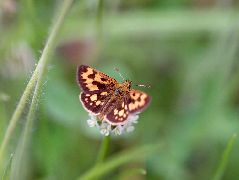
point(131, 172)
point(138, 153)
point(36, 79)
point(7, 168)
point(17, 113)
point(224, 160)
point(99, 20)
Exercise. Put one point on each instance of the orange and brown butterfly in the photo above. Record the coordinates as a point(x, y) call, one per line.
point(108, 99)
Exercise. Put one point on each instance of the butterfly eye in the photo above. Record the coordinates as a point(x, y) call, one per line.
point(117, 92)
point(130, 85)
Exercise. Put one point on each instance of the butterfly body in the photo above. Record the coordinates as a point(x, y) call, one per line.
point(111, 101)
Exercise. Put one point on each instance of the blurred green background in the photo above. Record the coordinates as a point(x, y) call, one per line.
point(186, 50)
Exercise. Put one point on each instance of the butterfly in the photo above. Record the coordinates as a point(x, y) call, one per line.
point(108, 99)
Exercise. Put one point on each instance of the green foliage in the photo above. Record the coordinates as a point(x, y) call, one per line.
point(187, 53)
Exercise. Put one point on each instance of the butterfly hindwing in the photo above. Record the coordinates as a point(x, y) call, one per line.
point(119, 113)
point(138, 101)
point(93, 81)
point(94, 102)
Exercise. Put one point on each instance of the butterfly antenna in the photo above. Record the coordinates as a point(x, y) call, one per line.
point(117, 70)
point(143, 85)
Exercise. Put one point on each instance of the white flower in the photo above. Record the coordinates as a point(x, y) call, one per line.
point(92, 116)
point(130, 128)
point(105, 128)
point(133, 118)
point(118, 130)
point(92, 122)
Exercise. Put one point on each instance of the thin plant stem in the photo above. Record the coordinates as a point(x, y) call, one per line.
point(103, 150)
point(45, 58)
point(30, 7)
point(5, 172)
point(16, 170)
point(138, 153)
point(225, 156)
point(17, 113)
point(99, 20)
point(36, 77)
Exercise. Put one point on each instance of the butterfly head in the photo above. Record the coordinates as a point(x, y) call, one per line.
point(123, 88)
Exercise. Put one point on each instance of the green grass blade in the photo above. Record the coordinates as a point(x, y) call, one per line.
point(37, 77)
point(131, 172)
point(44, 61)
point(120, 159)
point(225, 156)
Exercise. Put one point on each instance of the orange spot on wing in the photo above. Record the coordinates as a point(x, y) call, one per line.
point(103, 93)
point(93, 97)
point(121, 112)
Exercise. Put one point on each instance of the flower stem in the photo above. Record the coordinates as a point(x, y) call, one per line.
point(36, 79)
point(103, 150)
point(99, 29)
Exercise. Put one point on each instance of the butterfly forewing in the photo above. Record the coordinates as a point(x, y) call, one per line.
point(93, 81)
point(138, 101)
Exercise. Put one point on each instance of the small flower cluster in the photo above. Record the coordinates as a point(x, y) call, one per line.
point(106, 128)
